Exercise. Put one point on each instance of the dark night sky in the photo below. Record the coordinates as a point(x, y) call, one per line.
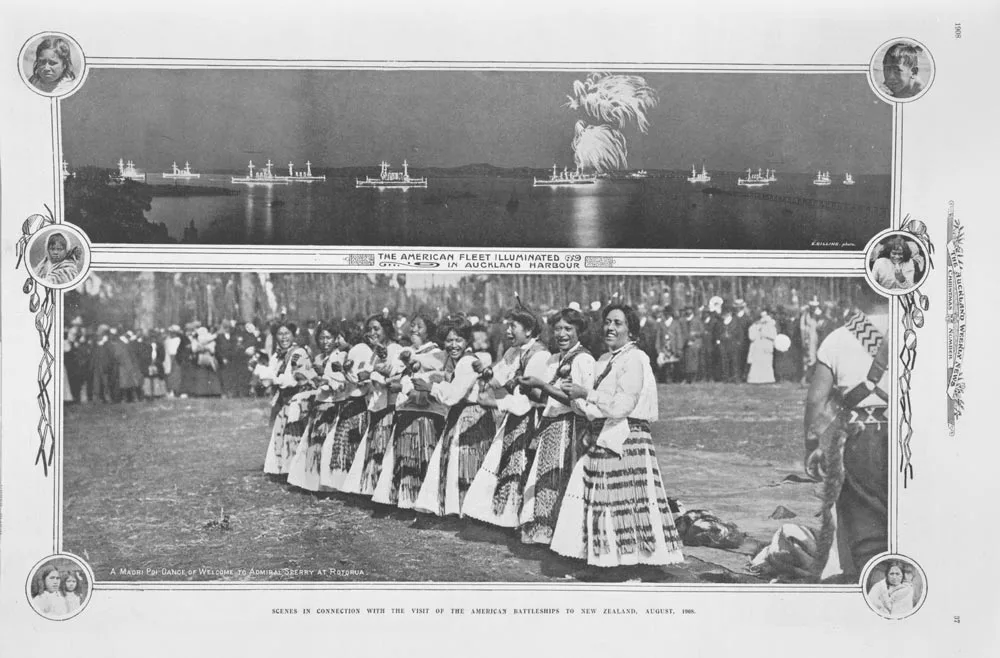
point(219, 119)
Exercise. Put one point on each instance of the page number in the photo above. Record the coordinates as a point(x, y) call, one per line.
point(957, 619)
point(958, 30)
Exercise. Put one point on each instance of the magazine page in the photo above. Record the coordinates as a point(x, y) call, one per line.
point(448, 328)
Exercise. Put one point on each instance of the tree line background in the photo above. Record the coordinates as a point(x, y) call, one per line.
point(144, 300)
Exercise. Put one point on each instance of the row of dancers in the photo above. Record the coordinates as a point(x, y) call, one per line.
point(554, 444)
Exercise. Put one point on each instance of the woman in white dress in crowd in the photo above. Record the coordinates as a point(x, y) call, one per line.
point(382, 391)
point(304, 471)
point(469, 427)
point(351, 424)
point(762, 334)
point(615, 511)
point(562, 428)
point(289, 372)
point(419, 419)
point(497, 492)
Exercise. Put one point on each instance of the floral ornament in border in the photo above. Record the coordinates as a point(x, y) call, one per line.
point(914, 304)
point(41, 302)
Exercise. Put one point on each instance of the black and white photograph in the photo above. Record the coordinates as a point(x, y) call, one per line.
point(472, 428)
point(896, 264)
point(465, 158)
point(895, 587)
point(58, 256)
point(52, 64)
point(902, 70)
point(59, 588)
point(489, 328)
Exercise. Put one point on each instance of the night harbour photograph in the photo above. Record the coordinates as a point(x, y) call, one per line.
point(541, 159)
point(474, 428)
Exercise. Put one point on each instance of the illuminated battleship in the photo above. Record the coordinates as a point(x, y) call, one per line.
point(822, 178)
point(262, 177)
point(181, 173)
point(695, 177)
point(565, 178)
point(302, 176)
point(392, 179)
point(127, 171)
point(760, 179)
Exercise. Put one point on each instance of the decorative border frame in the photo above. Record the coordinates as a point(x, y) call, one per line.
point(913, 305)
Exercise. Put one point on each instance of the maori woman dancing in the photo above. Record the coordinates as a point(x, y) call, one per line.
point(561, 431)
point(380, 335)
point(615, 511)
point(469, 428)
point(497, 492)
point(419, 419)
point(304, 471)
point(351, 425)
point(290, 372)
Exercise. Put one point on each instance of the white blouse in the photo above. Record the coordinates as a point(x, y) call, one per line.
point(628, 391)
point(507, 368)
point(379, 395)
point(51, 604)
point(464, 386)
point(581, 373)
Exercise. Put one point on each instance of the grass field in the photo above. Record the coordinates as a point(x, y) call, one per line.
point(147, 484)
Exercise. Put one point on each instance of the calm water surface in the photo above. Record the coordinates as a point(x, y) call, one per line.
point(653, 213)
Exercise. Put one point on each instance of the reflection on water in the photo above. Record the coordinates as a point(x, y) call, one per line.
point(654, 213)
point(586, 217)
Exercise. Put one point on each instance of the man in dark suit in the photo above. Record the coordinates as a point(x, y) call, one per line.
point(673, 346)
point(102, 367)
point(225, 354)
point(743, 322)
point(650, 338)
point(142, 352)
point(730, 339)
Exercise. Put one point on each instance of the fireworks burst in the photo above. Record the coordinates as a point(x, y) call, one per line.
point(601, 147)
point(614, 100)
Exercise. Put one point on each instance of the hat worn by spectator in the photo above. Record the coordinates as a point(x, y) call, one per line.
point(595, 306)
point(574, 305)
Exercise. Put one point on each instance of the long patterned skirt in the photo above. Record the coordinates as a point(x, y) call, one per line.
point(289, 423)
point(497, 491)
point(367, 466)
point(407, 458)
point(341, 443)
point(560, 445)
point(615, 511)
point(304, 471)
point(468, 433)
